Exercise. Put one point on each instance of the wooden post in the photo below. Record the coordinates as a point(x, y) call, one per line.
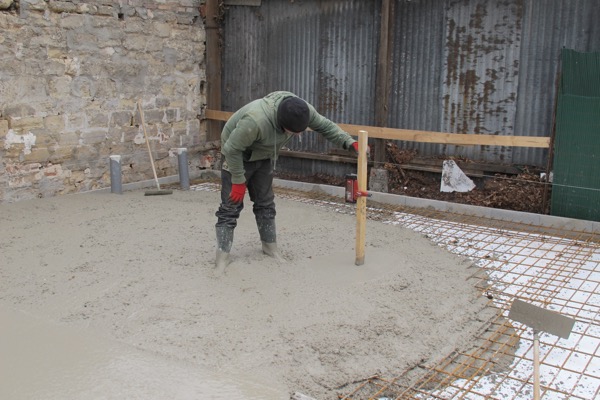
point(213, 66)
point(361, 201)
point(536, 365)
point(382, 82)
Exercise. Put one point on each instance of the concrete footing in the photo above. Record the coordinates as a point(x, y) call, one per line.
point(378, 180)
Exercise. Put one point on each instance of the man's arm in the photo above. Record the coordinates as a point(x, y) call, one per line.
point(243, 136)
point(330, 131)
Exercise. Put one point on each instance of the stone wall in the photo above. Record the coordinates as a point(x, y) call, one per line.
point(71, 75)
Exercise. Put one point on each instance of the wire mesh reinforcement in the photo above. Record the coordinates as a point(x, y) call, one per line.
point(552, 268)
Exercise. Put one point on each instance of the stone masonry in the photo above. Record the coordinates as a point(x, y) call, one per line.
point(71, 75)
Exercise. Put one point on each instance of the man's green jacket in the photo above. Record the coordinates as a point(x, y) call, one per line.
point(252, 133)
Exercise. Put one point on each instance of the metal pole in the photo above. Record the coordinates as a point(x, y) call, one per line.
point(115, 175)
point(184, 174)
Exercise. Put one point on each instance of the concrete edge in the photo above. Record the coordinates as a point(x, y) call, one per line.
point(548, 221)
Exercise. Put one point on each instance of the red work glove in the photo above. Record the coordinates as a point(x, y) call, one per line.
point(355, 147)
point(238, 190)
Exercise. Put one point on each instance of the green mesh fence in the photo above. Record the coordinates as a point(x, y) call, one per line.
point(576, 189)
point(580, 73)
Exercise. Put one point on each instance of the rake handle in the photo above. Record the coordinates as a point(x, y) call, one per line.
point(148, 145)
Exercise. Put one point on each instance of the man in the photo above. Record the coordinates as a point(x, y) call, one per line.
point(250, 144)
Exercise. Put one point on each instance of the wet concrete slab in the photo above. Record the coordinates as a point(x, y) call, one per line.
point(42, 359)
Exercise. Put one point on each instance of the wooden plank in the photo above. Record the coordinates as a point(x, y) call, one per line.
point(213, 66)
point(448, 138)
point(318, 156)
point(217, 115)
point(460, 139)
point(536, 366)
point(361, 201)
point(350, 160)
point(253, 3)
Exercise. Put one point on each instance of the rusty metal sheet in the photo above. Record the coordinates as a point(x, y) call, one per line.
point(467, 66)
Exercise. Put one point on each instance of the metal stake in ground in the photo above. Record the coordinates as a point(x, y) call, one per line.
point(544, 320)
point(361, 201)
point(158, 190)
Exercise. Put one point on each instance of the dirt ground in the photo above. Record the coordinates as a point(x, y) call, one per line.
point(137, 271)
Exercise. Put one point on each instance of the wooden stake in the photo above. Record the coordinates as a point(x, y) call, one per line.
point(361, 201)
point(536, 365)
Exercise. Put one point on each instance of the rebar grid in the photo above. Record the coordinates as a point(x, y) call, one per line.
point(549, 267)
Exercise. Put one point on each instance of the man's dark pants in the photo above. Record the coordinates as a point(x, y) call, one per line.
point(259, 181)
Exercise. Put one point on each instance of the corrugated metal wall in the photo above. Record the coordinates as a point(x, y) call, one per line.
point(416, 70)
point(324, 51)
point(481, 73)
point(467, 66)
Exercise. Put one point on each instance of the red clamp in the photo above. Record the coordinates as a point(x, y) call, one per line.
point(352, 192)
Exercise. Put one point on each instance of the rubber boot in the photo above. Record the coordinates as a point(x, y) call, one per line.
point(224, 242)
point(268, 236)
point(271, 250)
point(221, 261)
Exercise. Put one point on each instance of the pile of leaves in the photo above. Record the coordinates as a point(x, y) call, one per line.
point(525, 191)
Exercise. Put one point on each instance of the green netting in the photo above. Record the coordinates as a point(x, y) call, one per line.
point(576, 189)
point(581, 73)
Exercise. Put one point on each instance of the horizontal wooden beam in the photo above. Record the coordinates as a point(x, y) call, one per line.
point(317, 156)
point(217, 115)
point(409, 135)
point(416, 164)
point(448, 138)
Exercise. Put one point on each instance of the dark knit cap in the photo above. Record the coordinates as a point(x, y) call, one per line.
point(293, 114)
